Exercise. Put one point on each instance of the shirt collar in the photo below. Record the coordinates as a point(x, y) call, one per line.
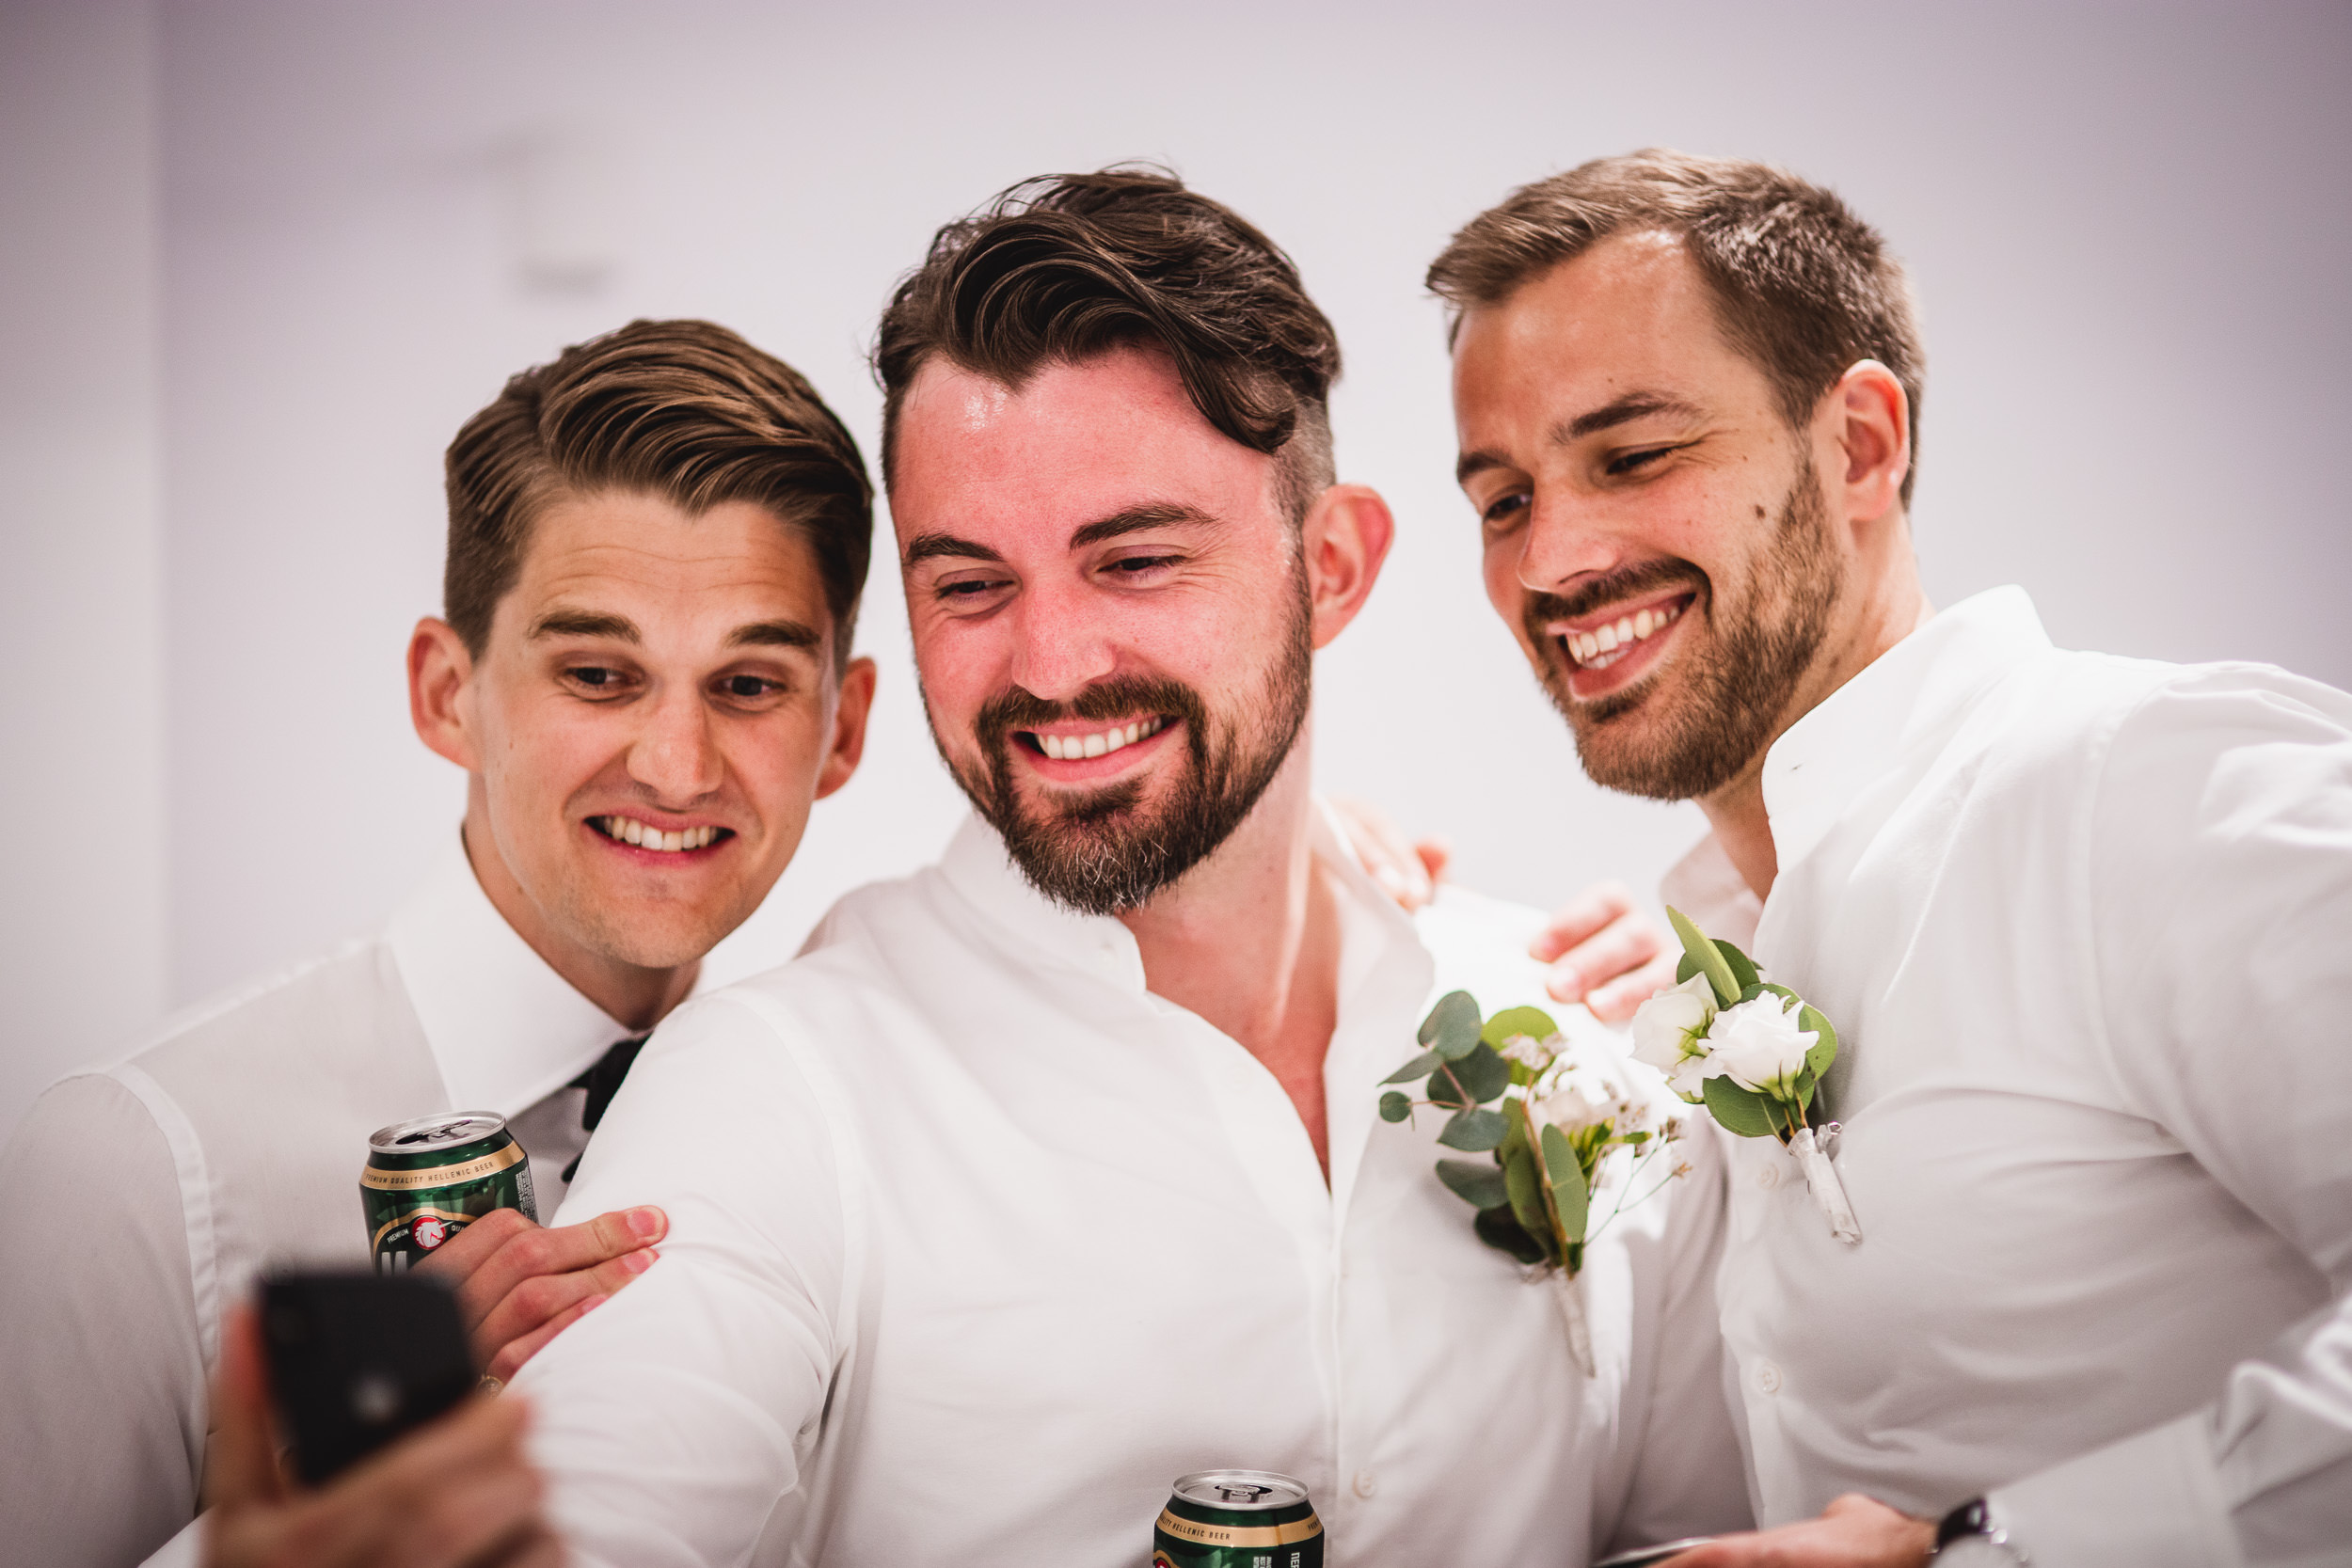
point(1827, 759)
point(505, 1029)
point(978, 866)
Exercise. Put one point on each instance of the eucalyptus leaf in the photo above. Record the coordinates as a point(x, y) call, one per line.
point(1710, 958)
point(1559, 1156)
point(1452, 1027)
point(1524, 1185)
point(1535, 1023)
point(1824, 1050)
point(1743, 967)
point(1419, 1067)
point(1738, 1111)
point(1478, 1182)
point(1481, 1075)
point(1500, 1229)
point(1474, 1131)
point(1684, 968)
point(1394, 1106)
point(1572, 1201)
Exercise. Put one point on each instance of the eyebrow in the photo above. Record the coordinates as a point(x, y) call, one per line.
point(1134, 519)
point(620, 629)
point(1624, 410)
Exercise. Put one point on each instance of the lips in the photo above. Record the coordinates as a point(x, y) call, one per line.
point(1611, 650)
point(671, 841)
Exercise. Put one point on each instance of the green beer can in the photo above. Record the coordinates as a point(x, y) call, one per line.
point(427, 1179)
point(1238, 1519)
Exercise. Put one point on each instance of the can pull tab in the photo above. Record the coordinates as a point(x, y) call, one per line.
point(1242, 1492)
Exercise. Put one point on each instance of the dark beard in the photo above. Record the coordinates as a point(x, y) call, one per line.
point(1736, 696)
point(1102, 852)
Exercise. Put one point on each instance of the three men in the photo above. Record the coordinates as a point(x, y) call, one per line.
point(656, 548)
point(1052, 1172)
point(2080, 921)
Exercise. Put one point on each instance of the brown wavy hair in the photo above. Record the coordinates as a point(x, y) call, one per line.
point(685, 410)
point(1067, 266)
point(1801, 286)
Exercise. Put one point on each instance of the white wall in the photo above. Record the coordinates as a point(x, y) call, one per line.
point(2127, 223)
point(83, 950)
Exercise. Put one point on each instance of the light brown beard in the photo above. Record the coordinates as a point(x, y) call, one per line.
point(1105, 851)
point(1734, 699)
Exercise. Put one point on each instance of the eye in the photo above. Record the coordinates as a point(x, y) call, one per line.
point(748, 686)
point(1134, 566)
point(1500, 510)
point(595, 677)
point(967, 590)
point(1626, 463)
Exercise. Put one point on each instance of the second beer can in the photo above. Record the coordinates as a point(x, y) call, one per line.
point(1238, 1519)
point(427, 1179)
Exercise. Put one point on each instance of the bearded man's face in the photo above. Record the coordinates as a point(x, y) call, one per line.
point(1655, 532)
point(1111, 619)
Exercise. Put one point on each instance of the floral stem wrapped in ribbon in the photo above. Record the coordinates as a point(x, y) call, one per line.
point(1567, 1129)
point(1753, 1052)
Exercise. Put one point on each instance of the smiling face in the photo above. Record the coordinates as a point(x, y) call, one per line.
point(1655, 534)
point(651, 716)
point(1111, 619)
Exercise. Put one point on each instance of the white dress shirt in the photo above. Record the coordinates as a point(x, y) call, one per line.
point(977, 1245)
point(2084, 926)
point(138, 1202)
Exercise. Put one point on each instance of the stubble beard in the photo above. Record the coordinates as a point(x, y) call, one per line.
point(1107, 852)
point(1699, 739)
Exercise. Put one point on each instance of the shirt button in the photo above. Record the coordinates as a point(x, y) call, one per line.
point(1768, 1176)
point(1767, 1378)
point(1366, 1483)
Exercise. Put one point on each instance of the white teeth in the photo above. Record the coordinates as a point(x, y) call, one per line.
point(1599, 649)
point(1069, 748)
point(631, 831)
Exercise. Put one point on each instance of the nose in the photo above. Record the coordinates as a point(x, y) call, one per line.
point(1062, 645)
point(1565, 540)
point(676, 755)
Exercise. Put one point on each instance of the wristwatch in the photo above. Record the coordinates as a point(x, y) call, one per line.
point(1973, 1536)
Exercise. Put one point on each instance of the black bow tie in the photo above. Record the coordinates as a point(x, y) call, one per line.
point(602, 1082)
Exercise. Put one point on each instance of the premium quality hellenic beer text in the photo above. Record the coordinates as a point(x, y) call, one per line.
point(427, 1179)
point(1238, 1519)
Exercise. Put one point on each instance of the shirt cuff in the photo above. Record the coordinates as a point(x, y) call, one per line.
point(2151, 1501)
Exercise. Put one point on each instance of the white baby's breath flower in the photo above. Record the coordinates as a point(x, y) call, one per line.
point(1760, 1044)
point(1674, 1024)
point(1531, 1052)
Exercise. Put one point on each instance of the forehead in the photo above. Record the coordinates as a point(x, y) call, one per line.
point(646, 546)
point(1631, 314)
point(1072, 443)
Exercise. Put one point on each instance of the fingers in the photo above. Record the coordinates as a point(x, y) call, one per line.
point(242, 1467)
point(1581, 918)
point(539, 1300)
point(1435, 855)
point(506, 1360)
point(1621, 998)
point(1618, 948)
point(1387, 856)
point(522, 1251)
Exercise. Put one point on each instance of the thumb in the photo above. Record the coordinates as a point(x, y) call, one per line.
point(1435, 855)
point(244, 1466)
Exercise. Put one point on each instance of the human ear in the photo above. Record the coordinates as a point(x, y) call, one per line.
point(439, 670)
point(1871, 419)
point(851, 707)
point(1346, 538)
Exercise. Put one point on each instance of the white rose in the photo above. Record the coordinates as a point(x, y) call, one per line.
point(1689, 1075)
point(1671, 1025)
point(1760, 1044)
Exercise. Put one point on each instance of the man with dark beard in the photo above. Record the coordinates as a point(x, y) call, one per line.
point(1053, 1172)
point(2078, 921)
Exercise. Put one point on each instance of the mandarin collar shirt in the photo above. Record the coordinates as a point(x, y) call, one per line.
point(977, 1245)
point(2081, 924)
point(143, 1199)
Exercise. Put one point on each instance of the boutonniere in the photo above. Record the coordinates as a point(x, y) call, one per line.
point(1569, 1132)
point(1752, 1053)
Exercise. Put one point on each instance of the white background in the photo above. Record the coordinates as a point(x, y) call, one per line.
point(257, 261)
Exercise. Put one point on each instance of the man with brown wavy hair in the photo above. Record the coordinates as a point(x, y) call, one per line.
point(1053, 1172)
point(657, 543)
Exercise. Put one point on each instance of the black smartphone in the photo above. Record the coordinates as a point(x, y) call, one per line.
point(1646, 1556)
point(356, 1359)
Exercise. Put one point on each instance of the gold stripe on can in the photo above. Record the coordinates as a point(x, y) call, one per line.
point(441, 1176)
point(1227, 1535)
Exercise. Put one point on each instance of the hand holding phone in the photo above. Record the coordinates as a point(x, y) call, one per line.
point(455, 1492)
point(357, 1360)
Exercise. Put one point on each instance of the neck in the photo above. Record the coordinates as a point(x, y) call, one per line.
point(1250, 940)
point(636, 996)
point(1894, 609)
